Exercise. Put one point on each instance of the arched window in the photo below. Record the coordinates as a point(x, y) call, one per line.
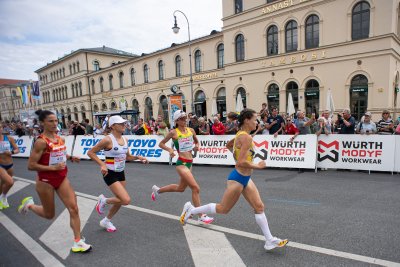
point(76, 114)
point(73, 90)
point(57, 74)
point(95, 108)
point(113, 106)
point(273, 96)
point(197, 61)
point(77, 65)
point(178, 61)
point(200, 106)
point(221, 102)
point(135, 104)
point(74, 67)
point(70, 69)
point(238, 6)
point(360, 21)
point(291, 36)
point(160, 70)
point(148, 110)
point(272, 40)
point(312, 31)
point(76, 90)
point(63, 70)
point(14, 93)
point(110, 82)
point(121, 79)
point(242, 93)
point(220, 56)
point(59, 94)
point(83, 112)
point(104, 107)
point(133, 80)
point(163, 110)
point(93, 88)
point(101, 81)
point(80, 88)
point(239, 47)
point(312, 97)
point(96, 65)
point(51, 76)
point(293, 88)
point(359, 96)
point(146, 73)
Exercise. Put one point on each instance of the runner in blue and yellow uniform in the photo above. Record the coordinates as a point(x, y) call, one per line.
point(239, 181)
point(185, 140)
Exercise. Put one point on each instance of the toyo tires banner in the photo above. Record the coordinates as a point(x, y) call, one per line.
point(24, 144)
point(359, 152)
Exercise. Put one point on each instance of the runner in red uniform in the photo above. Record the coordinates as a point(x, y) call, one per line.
point(48, 158)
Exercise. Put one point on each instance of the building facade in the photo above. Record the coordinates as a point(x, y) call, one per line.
point(10, 99)
point(266, 50)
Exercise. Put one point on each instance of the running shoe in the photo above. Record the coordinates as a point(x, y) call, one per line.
point(186, 213)
point(275, 242)
point(81, 246)
point(24, 207)
point(108, 225)
point(154, 194)
point(101, 203)
point(205, 219)
point(4, 203)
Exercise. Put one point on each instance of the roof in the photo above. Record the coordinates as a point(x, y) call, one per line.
point(11, 82)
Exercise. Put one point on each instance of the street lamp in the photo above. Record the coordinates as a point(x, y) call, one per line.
point(176, 30)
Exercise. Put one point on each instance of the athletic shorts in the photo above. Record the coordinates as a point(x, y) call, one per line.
point(113, 177)
point(6, 167)
point(55, 181)
point(185, 162)
point(236, 176)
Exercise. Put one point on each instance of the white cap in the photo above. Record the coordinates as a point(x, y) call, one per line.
point(115, 119)
point(179, 114)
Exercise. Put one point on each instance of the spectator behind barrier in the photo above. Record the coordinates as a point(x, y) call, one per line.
point(321, 127)
point(328, 121)
point(204, 128)
point(264, 110)
point(291, 129)
point(303, 123)
point(366, 126)
point(263, 124)
point(77, 129)
point(162, 129)
point(218, 127)
point(194, 123)
point(88, 127)
point(231, 124)
point(346, 123)
point(275, 123)
point(398, 129)
point(385, 125)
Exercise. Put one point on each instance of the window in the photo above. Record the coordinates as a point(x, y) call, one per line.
point(360, 21)
point(121, 79)
point(312, 97)
point(163, 109)
point(220, 56)
point(74, 67)
point(160, 70)
point(148, 110)
point(197, 61)
point(76, 89)
point(96, 65)
point(101, 84)
point(110, 82)
point(238, 6)
point(63, 71)
point(359, 96)
point(113, 106)
point(80, 88)
point(272, 40)
point(178, 61)
point(95, 108)
point(77, 65)
point(239, 47)
point(221, 102)
point(270, 1)
point(73, 90)
point(70, 69)
point(104, 106)
point(133, 81)
point(146, 73)
point(291, 36)
point(200, 104)
point(14, 94)
point(273, 96)
point(93, 89)
point(312, 31)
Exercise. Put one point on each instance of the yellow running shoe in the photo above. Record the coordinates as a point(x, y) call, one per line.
point(81, 246)
point(26, 202)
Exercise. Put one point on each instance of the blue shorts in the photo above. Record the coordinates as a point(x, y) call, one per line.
point(6, 167)
point(236, 176)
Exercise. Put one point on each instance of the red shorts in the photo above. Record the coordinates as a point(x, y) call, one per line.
point(54, 181)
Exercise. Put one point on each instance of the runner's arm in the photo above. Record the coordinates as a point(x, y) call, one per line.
point(196, 141)
point(37, 151)
point(163, 142)
point(15, 149)
point(242, 162)
point(104, 143)
point(229, 145)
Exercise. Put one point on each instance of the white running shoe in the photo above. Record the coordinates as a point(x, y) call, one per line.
point(186, 212)
point(275, 242)
point(4, 203)
point(26, 202)
point(101, 203)
point(108, 225)
point(154, 194)
point(205, 219)
point(81, 246)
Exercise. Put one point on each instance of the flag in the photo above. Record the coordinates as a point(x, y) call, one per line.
point(35, 90)
point(30, 94)
point(104, 125)
point(20, 94)
point(25, 95)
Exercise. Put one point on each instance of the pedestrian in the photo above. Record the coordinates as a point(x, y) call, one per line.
point(116, 153)
point(48, 158)
point(8, 147)
point(185, 141)
point(239, 181)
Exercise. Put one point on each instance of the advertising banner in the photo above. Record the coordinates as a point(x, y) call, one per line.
point(357, 152)
point(84, 143)
point(24, 144)
point(397, 154)
point(69, 141)
point(213, 150)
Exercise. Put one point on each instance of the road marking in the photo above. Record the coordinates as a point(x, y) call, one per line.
point(294, 202)
point(306, 247)
point(59, 236)
point(18, 185)
point(210, 248)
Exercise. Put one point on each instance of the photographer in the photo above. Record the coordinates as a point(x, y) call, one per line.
point(78, 129)
point(366, 126)
point(346, 122)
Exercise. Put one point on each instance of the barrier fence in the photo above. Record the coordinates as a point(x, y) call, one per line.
point(357, 152)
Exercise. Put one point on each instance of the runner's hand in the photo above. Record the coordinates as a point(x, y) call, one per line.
point(262, 164)
point(59, 166)
point(75, 159)
point(104, 170)
point(144, 160)
point(172, 154)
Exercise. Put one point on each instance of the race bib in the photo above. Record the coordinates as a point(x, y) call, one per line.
point(185, 144)
point(58, 157)
point(119, 163)
point(4, 146)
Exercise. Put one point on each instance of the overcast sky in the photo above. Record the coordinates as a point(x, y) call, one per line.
point(33, 33)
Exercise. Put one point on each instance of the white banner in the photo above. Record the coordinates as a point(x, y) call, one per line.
point(143, 145)
point(397, 154)
point(69, 141)
point(357, 152)
point(24, 144)
point(213, 150)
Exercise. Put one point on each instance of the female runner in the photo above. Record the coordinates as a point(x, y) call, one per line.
point(239, 182)
point(48, 158)
point(185, 140)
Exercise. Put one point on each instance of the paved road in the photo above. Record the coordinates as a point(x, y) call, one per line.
point(331, 218)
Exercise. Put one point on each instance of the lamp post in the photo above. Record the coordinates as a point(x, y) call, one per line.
point(176, 31)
